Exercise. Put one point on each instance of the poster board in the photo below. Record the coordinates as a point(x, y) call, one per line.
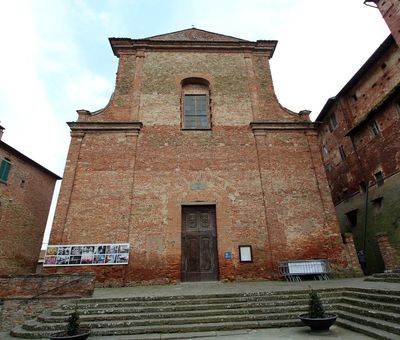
point(86, 255)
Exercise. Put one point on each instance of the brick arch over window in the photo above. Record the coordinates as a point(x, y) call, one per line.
point(196, 104)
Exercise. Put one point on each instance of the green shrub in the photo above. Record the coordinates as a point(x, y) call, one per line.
point(73, 323)
point(315, 308)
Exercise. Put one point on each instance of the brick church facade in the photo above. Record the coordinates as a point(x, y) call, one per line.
point(192, 158)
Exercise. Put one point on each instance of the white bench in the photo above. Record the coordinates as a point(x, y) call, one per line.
point(293, 270)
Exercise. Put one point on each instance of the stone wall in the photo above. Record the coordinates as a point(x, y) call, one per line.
point(14, 312)
point(46, 285)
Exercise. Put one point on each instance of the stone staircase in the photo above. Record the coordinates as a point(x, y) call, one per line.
point(372, 312)
point(375, 313)
point(393, 276)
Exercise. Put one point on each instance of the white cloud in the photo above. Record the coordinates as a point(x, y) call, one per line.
point(88, 90)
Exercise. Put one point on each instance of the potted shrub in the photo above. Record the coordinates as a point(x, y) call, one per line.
point(316, 318)
point(73, 331)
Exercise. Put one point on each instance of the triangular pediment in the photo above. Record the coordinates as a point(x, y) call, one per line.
point(194, 34)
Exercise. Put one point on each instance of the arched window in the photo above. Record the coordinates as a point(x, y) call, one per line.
point(196, 104)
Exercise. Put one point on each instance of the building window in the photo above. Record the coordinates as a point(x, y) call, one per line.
point(195, 111)
point(345, 194)
point(379, 179)
point(342, 153)
point(196, 104)
point(377, 204)
point(328, 167)
point(4, 170)
point(363, 187)
point(374, 127)
point(332, 122)
point(352, 217)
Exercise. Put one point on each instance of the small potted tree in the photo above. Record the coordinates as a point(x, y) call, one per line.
point(73, 331)
point(316, 318)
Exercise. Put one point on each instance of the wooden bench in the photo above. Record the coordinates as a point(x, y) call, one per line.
point(294, 270)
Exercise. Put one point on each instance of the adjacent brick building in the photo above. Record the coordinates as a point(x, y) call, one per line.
point(26, 190)
point(360, 142)
point(192, 158)
point(390, 10)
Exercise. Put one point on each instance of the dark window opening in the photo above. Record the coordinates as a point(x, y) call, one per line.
point(328, 167)
point(363, 187)
point(4, 170)
point(379, 178)
point(345, 194)
point(377, 204)
point(195, 111)
point(332, 122)
point(374, 127)
point(342, 153)
point(352, 217)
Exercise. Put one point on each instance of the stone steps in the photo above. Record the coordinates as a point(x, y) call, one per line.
point(164, 309)
point(175, 314)
point(386, 326)
point(386, 316)
point(393, 276)
point(372, 305)
point(372, 310)
point(181, 328)
point(363, 329)
point(374, 296)
point(190, 300)
point(37, 326)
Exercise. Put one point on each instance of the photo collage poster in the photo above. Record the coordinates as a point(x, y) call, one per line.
point(87, 255)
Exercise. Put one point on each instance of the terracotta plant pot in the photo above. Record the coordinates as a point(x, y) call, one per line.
point(318, 324)
point(63, 336)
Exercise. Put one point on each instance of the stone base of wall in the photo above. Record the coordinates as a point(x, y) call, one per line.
point(24, 297)
point(14, 312)
point(46, 285)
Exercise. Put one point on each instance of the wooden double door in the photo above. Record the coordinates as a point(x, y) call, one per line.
point(199, 243)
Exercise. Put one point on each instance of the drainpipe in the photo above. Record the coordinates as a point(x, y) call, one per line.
point(365, 217)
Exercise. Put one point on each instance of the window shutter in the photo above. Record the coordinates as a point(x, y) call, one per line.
point(4, 170)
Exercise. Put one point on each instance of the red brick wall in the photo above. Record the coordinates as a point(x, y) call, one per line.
point(387, 251)
point(368, 154)
point(390, 10)
point(269, 190)
point(46, 285)
point(24, 205)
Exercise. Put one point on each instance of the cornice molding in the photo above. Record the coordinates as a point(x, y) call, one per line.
point(105, 126)
point(274, 125)
point(130, 46)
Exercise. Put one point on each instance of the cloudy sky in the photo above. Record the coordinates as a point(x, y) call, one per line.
point(56, 58)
